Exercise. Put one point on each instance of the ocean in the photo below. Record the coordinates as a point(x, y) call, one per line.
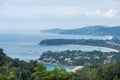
point(26, 46)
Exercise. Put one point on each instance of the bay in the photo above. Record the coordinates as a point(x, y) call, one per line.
point(25, 46)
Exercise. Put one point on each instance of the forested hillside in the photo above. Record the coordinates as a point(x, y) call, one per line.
point(113, 43)
point(89, 30)
point(15, 69)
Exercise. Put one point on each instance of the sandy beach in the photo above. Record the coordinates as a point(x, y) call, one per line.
point(112, 50)
point(76, 68)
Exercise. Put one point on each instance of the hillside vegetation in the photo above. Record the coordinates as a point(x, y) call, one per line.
point(15, 69)
point(89, 30)
point(113, 43)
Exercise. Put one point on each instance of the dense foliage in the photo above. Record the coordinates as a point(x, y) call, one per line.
point(14, 69)
point(113, 43)
point(95, 71)
point(72, 41)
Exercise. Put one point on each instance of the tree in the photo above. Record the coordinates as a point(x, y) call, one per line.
point(108, 71)
point(2, 77)
point(11, 76)
point(40, 72)
point(116, 78)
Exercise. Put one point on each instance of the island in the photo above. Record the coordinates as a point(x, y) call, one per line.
point(109, 43)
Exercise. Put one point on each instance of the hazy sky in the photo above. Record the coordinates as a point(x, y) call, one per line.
point(33, 15)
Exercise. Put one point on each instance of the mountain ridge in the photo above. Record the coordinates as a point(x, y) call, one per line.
point(89, 30)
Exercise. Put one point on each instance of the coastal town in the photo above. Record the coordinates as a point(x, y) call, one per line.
point(78, 58)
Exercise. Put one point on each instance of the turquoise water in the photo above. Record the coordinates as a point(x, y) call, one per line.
point(25, 46)
point(51, 67)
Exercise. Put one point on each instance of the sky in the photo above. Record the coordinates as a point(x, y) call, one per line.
point(34, 15)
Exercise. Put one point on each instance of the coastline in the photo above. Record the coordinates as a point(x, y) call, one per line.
point(112, 50)
point(55, 64)
point(76, 68)
point(73, 68)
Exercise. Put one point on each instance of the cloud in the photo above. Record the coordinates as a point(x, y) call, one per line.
point(94, 13)
point(37, 14)
point(111, 13)
point(34, 12)
point(3, 4)
point(55, 8)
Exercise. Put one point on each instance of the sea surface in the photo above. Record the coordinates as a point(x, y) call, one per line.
point(25, 46)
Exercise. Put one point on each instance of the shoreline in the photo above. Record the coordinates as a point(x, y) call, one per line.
point(73, 68)
point(109, 49)
point(76, 68)
point(112, 50)
point(55, 64)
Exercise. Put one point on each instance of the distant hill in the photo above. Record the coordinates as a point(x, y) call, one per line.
point(89, 30)
point(55, 31)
